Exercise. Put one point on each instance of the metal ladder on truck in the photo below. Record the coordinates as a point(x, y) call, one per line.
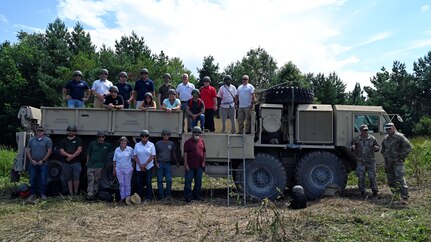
point(231, 170)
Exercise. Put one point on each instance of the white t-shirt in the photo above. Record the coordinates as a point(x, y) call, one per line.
point(185, 91)
point(143, 152)
point(227, 99)
point(245, 94)
point(123, 158)
point(101, 87)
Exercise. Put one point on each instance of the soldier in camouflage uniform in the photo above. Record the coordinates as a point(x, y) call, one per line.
point(364, 146)
point(395, 148)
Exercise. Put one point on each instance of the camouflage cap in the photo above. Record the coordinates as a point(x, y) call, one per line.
point(363, 127)
point(197, 129)
point(40, 127)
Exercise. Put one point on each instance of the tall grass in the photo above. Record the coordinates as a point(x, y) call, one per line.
point(7, 156)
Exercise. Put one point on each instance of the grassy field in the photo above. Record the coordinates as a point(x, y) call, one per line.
point(346, 218)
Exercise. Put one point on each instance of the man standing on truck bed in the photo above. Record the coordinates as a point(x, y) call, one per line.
point(245, 100)
point(194, 164)
point(209, 96)
point(125, 89)
point(100, 88)
point(184, 91)
point(73, 91)
point(395, 149)
point(163, 92)
point(227, 93)
point(96, 160)
point(70, 149)
point(364, 146)
point(142, 86)
point(38, 151)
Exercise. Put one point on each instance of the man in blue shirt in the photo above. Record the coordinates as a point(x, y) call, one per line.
point(125, 89)
point(143, 86)
point(73, 91)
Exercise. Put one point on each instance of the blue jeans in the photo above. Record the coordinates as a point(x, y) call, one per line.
point(140, 176)
point(191, 174)
point(75, 103)
point(200, 118)
point(38, 179)
point(164, 170)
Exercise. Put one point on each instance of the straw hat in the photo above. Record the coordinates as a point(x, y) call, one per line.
point(134, 199)
point(128, 201)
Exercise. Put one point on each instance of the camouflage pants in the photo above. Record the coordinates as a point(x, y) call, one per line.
point(361, 168)
point(395, 174)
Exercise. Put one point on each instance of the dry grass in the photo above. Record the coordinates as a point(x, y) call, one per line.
point(330, 219)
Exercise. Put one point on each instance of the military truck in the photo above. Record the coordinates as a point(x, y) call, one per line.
point(292, 141)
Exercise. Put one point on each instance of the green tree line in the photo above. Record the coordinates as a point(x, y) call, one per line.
point(35, 68)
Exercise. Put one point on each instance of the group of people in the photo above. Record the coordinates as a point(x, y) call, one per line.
point(198, 105)
point(140, 160)
point(395, 148)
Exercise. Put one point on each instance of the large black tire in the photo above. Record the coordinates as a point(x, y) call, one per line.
point(109, 181)
point(265, 177)
point(318, 169)
point(283, 95)
point(56, 182)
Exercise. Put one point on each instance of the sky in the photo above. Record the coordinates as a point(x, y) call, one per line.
point(355, 39)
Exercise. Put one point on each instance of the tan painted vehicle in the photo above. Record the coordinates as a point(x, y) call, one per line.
point(291, 142)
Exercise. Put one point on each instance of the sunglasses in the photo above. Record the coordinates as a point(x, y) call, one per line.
point(166, 135)
point(145, 136)
point(101, 137)
point(122, 76)
point(71, 130)
point(145, 73)
point(244, 79)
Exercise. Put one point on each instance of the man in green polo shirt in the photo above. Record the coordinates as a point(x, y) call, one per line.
point(96, 159)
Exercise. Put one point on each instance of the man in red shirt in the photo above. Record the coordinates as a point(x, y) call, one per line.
point(194, 164)
point(209, 96)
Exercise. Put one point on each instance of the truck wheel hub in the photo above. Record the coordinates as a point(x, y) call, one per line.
point(321, 175)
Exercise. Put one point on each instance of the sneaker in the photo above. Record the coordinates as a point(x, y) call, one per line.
point(31, 199)
point(188, 200)
point(362, 194)
point(375, 193)
point(43, 197)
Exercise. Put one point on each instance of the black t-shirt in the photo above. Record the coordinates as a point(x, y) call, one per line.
point(115, 101)
point(70, 146)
